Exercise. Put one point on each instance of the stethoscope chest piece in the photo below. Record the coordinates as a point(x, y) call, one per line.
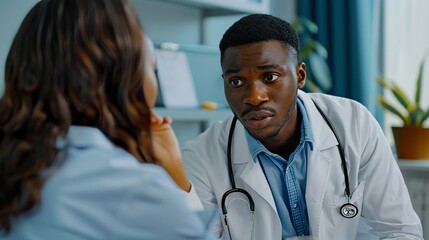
point(349, 210)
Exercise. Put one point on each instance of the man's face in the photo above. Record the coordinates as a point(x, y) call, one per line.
point(261, 81)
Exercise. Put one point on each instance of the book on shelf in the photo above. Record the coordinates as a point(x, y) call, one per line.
point(176, 86)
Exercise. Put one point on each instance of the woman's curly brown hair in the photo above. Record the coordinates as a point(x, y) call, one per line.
point(72, 62)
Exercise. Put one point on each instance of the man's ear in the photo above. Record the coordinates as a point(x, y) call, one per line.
point(301, 73)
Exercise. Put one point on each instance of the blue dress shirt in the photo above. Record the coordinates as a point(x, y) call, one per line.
point(96, 190)
point(287, 178)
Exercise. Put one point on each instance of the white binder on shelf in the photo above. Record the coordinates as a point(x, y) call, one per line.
point(176, 85)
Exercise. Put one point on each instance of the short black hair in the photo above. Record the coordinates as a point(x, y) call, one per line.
point(256, 28)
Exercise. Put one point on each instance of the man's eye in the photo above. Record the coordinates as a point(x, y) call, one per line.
point(271, 77)
point(235, 82)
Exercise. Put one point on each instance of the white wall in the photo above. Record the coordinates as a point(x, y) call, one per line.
point(12, 12)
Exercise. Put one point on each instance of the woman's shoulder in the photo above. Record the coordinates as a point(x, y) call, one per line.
point(95, 170)
point(86, 150)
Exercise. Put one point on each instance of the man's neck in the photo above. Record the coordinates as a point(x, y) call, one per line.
point(288, 138)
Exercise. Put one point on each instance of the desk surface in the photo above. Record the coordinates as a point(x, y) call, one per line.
point(416, 165)
point(414, 168)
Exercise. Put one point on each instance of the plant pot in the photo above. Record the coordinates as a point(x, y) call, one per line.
point(411, 142)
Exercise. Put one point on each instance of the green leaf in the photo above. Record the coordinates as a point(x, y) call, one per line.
point(383, 82)
point(320, 70)
point(389, 107)
point(424, 117)
point(298, 26)
point(312, 47)
point(401, 96)
point(309, 25)
point(415, 116)
point(306, 51)
point(419, 82)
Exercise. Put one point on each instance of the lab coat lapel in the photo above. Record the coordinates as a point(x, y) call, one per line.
point(318, 170)
point(252, 175)
point(318, 163)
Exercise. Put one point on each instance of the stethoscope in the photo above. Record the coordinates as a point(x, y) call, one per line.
point(348, 210)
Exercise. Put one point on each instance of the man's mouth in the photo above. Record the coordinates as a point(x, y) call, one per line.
point(258, 123)
point(258, 119)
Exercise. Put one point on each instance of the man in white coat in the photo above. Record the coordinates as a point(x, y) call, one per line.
point(286, 158)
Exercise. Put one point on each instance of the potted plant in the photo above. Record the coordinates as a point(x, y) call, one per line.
point(412, 138)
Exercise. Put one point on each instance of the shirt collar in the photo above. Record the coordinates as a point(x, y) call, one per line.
point(305, 126)
point(256, 147)
point(82, 137)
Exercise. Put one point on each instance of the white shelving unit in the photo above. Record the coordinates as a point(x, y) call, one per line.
point(226, 7)
point(185, 22)
point(188, 123)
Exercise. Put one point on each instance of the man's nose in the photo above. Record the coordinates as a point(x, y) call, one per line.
point(256, 94)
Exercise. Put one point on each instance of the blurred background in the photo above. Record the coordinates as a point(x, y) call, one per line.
point(350, 42)
point(345, 44)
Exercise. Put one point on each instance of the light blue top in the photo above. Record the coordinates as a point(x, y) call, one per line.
point(287, 179)
point(99, 191)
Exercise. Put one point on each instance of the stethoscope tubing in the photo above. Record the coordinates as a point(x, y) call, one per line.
point(348, 210)
point(231, 174)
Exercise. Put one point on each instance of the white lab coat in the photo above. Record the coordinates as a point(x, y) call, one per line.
point(376, 183)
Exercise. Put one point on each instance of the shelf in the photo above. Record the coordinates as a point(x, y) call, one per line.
point(225, 7)
point(194, 115)
point(195, 48)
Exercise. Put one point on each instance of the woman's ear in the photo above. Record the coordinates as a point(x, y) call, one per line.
point(301, 72)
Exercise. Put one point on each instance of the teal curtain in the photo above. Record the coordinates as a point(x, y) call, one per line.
point(346, 29)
